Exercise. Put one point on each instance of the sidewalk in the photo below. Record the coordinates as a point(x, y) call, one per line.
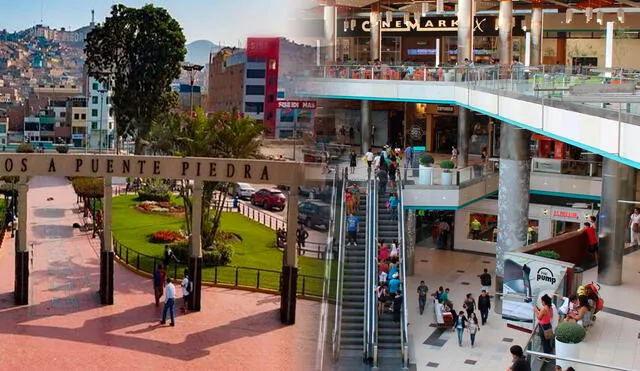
point(65, 327)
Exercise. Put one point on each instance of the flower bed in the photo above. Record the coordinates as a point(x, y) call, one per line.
point(166, 236)
point(160, 207)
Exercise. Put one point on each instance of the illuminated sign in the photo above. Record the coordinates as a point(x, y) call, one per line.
point(297, 104)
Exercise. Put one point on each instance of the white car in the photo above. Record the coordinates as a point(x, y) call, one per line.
point(242, 190)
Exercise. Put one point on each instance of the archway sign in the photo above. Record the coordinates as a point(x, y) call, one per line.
point(187, 168)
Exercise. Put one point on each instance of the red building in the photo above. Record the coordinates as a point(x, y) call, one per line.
point(265, 50)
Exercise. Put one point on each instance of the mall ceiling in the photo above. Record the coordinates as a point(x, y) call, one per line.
point(416, 5)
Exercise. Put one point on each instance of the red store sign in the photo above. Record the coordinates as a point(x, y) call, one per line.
point(296, 104)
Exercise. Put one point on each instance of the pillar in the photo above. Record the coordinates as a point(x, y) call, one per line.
point(289, 280)
point(505, 24)
point(618, 184)
point(536, 35)
point(330, 30)
point(106, 247)
point(410, 241)
point(513, 197)
point(195, 247)
point(465, 50)
point(365, 125)
point(21, 289)
point(376, 34)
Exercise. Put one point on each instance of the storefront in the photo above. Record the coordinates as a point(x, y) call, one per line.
point(476, 225)
point(421, 41)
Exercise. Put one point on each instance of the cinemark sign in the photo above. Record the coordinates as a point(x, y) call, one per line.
point(296, 104)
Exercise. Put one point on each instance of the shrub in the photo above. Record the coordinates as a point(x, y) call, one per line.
point(88, 187)
point(165, 236)
point(25, 148)
point(549, 254)
point(447, 165)
point(62, 149)
point(220, 255)
point(570, 333)
point(154, 192)
point(426, 160)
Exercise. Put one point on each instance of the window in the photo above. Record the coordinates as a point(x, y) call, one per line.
point(63, 115)
point(254, 107)
point(256, 74)
point(106, 100)
point(3, 129)
point(95, 86)
point(255, 89)
point(94, 113)
point(76, 116)
point(111, 126)
point(94, 125)
point(110, 112)
point(83, 116)
point(272, 64)
point(94, 99)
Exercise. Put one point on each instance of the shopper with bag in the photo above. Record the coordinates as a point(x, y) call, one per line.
point(544, 316)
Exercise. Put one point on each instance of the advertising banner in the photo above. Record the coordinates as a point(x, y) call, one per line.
point(526, 279)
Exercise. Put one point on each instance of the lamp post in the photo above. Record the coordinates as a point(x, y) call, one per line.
point(192, 69)
point(101, 91)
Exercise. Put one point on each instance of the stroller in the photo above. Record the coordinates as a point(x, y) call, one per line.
point(591, 290)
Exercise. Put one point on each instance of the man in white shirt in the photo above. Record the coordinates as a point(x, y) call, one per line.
point(369, 157)
point(634, 226)
point(376, 162)
point(170, 298)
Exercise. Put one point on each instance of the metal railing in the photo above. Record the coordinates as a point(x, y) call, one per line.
point(340, 272)
point(239, 277)
point(432, 176)
point(404, 329)
point(372, 249)
point(574, 360)
point(566, 166)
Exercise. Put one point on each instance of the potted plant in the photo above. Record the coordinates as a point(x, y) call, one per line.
point(447, 175)
point(426, 171)
point(568, 335)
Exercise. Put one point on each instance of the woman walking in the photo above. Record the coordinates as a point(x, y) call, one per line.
point(473, 327)
point(544, 315)
point(461, 324)
point(353, 161)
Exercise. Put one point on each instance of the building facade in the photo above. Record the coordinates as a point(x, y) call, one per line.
point(100, 118)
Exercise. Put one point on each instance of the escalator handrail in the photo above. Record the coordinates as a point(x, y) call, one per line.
point(404, 325)
point(367, 301)
point(340, 270)
point(374, 274)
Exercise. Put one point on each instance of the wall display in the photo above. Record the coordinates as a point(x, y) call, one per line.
point(526, 279)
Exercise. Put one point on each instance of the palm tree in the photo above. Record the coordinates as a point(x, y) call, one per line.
point(226, 134)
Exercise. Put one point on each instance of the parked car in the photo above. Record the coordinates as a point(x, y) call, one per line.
point(269, 199)
point(242, 190)
point(314, 214)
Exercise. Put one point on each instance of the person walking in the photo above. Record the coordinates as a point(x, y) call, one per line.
point(169, 256)
point(469, 305)
point(369, 157)
point(301, 237)
point(353, 161)
point(353, 226)
point(634, 227)
point(593, 240)
point(422, 296)
point(544, 315)
point(461, 324)
point(473, 328)
point(485, 280)
point(484, 304)
point(159, 276)
point(475, 229)
point(169, 301)
point(187, 288)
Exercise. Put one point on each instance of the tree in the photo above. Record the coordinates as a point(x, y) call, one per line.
point(140, 52)
point(223, 135)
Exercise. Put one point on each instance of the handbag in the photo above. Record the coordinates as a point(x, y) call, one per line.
point(548, 333)
point(635, 228)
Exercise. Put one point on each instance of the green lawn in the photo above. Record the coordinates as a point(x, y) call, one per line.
point(131, 228)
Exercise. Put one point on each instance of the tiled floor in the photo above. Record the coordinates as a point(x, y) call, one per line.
point(613, 339)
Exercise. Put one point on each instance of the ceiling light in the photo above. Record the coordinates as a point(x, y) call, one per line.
point(621, 15)
point(425, 9)
point(599, 17)
point(346, 25)
point(389, 16)
point(439, 6)
point(569, 16)
point(524, 28)
point(406, 18)
point(353, 23)
point(588, 13)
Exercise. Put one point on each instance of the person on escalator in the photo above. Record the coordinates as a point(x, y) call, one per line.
point(397, 306)
point(383, 178)
point(353, 226)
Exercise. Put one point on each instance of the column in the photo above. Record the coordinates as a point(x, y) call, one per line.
point(513, 197)
point(195, 247)
point(376, 34)
point(21, 289)
point(365, 126)
point(536, 35)
point(106, 247)
point(618, 184)
point(410, 241)
point(289, 280)
point(330, 30)
point(465, 50)
point(505, 24)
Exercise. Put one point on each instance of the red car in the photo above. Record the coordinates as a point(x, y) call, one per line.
point(269, 199)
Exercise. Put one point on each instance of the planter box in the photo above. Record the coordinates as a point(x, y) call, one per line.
point(567, 351)
point(447, 178)
point(426, 175)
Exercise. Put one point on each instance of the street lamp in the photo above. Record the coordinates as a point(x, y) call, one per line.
point(192, 69)
point(101, 91)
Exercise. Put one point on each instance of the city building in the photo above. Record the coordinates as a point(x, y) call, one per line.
point(76, 125)
point(101, 121)
point(41, 94)
point(259, 82)
point(4, 127)
point(187, 99)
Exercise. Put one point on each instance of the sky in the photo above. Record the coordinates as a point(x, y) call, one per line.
point(226, 21)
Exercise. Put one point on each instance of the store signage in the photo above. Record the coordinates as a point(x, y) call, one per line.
point(438, 26)
point(205, 169)
point(297, 104)
point(448, 109)
point(566, 214)
point(77, 136)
